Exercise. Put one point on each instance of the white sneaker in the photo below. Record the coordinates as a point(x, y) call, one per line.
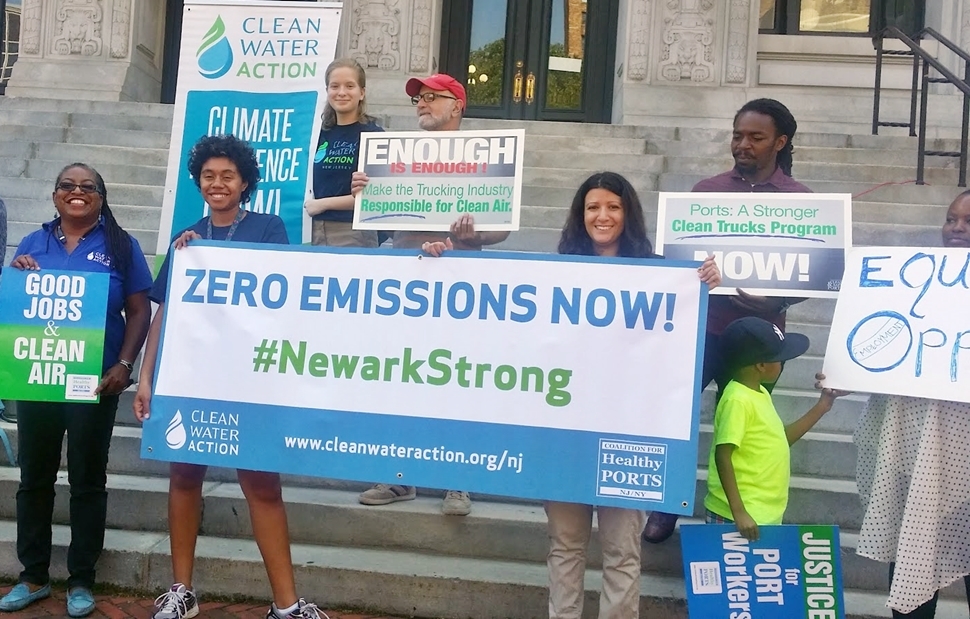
point(176, 603)
point(456, 503)
point(304, 610)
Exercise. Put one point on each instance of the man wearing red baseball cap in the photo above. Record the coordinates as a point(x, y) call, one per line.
point(426, 91)
point(440, 101)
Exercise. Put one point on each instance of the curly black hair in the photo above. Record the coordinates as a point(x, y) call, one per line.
point(784, 125)
point(633, 240)
point(239, 152)
point(117, 241)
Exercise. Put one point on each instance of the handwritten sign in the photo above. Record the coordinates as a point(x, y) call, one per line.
point(51, 334)
point(901, 324)
point(770, 244)
point(791, 571)
point(421, 180)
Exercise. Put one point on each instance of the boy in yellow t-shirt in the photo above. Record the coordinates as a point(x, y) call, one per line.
point(749, 467)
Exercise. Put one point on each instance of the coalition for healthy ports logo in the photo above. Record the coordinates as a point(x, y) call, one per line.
point(212, 432)
point(215, 53)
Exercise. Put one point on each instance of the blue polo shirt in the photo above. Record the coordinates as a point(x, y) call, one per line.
point(254, 228)
point(91, 255)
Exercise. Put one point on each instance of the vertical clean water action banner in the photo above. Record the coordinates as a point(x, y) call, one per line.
point(255, 70)
point(772, 244)
point(425, 180)
point(52, 334)
point(525, 375)
point(791, 572)
point(901, 324)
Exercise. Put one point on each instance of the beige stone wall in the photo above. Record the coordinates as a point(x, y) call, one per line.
point(90, 49)
point(392, 39)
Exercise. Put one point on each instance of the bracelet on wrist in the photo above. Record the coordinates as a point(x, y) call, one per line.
point(128, 365)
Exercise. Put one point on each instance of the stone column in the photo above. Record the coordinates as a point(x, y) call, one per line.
point(392, 40)
point(106, 50)
point(676, 48)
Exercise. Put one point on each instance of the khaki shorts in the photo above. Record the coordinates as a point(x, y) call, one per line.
point(341, 234)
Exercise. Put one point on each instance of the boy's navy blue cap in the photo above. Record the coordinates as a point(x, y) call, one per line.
point(751, 340)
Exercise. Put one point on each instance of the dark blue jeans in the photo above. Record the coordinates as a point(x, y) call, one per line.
point(40, 432)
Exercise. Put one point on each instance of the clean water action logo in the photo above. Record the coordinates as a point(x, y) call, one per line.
point(321, 152)
point(175, 433)
point(215, 53)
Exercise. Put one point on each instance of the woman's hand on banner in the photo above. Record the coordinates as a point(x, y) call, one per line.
point(25, 262)
point(358, 181)
point(437, 248)
point(184, 238)
point(709, 273)
point(142, 403)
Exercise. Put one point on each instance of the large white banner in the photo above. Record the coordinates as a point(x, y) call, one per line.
point(902, 325)
point(255, 70)
point(545, 377)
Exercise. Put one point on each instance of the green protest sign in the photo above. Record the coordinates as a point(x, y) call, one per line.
point(51, 334)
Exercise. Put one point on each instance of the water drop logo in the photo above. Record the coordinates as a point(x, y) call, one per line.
point(215, 53)
point(175, 433)
point(321, 152)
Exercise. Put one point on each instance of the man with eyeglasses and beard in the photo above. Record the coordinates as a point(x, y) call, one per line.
point(440, 102)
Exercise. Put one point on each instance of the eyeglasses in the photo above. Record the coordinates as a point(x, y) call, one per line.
point(429, 97)
point(69, 187)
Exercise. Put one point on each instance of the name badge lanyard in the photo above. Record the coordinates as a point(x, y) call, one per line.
point(232, 229)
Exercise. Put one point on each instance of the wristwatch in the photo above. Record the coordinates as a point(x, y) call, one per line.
point(128, 365)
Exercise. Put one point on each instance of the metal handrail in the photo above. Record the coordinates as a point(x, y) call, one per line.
point(923, 61)
point(953, 47)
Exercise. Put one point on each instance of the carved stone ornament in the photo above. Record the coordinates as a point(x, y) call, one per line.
point(688, 41)
point(30, 27)
point(375, 34)
point(120, 20)
point(420, 36)
point(77, 28)
point(737, 51)
point(639, 47)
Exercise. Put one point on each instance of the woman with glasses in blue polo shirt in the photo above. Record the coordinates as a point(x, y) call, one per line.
point(83, 237)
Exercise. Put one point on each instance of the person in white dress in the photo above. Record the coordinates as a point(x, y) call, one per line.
point(913, 475)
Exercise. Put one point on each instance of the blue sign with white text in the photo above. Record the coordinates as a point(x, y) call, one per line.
point(791, 572)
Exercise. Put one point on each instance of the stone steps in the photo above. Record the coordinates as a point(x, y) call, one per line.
point(102, 154)
point(504, 537)
point(395, 582)
point(898, 191)
point(807, 171)
point(822, 154)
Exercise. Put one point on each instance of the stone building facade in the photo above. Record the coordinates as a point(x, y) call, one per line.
point(697, 60)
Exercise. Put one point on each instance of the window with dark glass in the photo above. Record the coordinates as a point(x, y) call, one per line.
point(840, 17)
point(9, 38)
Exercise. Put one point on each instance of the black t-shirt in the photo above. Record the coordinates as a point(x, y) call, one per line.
point(335, 162)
